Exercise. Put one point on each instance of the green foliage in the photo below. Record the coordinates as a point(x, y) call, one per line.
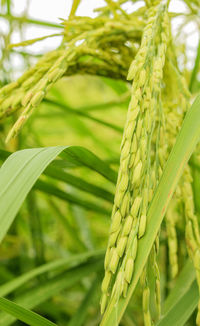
point(63, 117)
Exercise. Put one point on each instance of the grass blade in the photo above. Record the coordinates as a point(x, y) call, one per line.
point(59, 265)
point(182, 310)
point(53, 286)
point(84, 115)
point(182, 299)
point(80, 315)
point(57, 173)
point(22, 169)
point(79, 183)
point(25, 315)
point(195, 70)
point(182, 285)
point(52, 190)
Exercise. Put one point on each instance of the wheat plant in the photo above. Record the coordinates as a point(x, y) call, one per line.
point(124, 76)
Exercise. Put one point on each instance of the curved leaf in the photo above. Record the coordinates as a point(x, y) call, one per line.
point(79, 317)
point(182, 285)
point(56, 172)
point(52, 190)
point(21, 170)
point(183, 298)
point(84, 114)
point(25, 315)
point(182, 310)
point(51, 287)
point(59, 264)
point(78, 183)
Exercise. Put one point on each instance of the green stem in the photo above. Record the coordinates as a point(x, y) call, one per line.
point(75, 5)
point(8, 3)
point(30, 21)
point(195, 69)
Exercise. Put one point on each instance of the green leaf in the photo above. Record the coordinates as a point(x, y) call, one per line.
point(195, 70)
point(76, 243)
point(46, 290)
point(182, 285)
point(187, 139)
point(52, 190)
point(182, 299)
point(27, 316)
point(23, 19)
point(78, 183)
point(80, 315)
point(119, 86)
point(57, 173)
point(182, 310)
point(57, 265)
point(76, 156)
point(21, 170)
point(84, 115)
point(83, 157)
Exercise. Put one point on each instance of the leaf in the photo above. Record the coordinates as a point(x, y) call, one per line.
point(82, 156)
point(52, 190)
point(74, 240)
point(78, 183)
point(81, 313)
point(59, 264)
point(119, 86)
point(76, 156)
point(182, 299)
point(196, 184)
point(182, 310)
point(185, 144)
point(195, 70)
point(84, 114)
point(27, 316)
point(83, 227)
point(21, 170)
point(56, 172)
point(37, 295)
point(182, 285)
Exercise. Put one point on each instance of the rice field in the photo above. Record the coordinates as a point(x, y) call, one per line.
point(100, 166)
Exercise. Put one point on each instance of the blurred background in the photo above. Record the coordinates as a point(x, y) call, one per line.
point(52, 11)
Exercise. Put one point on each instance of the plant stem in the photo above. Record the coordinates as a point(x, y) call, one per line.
point(195, 69)
point(30, 21)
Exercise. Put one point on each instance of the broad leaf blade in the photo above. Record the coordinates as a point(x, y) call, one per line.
point(21, 170)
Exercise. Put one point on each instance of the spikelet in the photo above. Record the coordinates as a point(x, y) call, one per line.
point(133, 185)
point(172, 238)
point(80, 42)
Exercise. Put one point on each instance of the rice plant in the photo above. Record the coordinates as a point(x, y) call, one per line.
point(94, 233)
